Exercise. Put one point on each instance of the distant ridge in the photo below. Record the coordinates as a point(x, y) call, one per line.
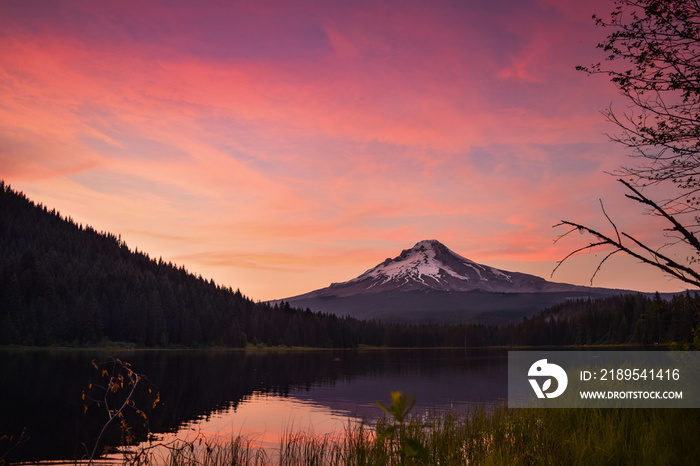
point(431, 283)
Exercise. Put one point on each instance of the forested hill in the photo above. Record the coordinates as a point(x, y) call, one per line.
point(64, 283)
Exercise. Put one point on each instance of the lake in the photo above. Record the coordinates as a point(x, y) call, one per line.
point(220, 394)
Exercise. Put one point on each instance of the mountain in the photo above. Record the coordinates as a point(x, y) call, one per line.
point(431, 283)
point(63, 283)
point(430, 265)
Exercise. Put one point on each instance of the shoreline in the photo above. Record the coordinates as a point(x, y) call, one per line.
point(271, 349)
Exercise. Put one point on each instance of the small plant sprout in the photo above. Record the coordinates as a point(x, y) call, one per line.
point(407, 446)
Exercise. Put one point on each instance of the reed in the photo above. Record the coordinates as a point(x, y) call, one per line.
point(484, 436)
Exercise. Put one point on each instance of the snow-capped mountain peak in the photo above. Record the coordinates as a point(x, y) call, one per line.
point(431, 266)
point(429, 282)
point(428, 264)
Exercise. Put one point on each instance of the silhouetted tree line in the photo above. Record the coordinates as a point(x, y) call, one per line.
point(634, 319)
point(62, 283)
point(65, 283)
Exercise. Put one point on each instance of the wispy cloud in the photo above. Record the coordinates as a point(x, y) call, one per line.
point(278, 147)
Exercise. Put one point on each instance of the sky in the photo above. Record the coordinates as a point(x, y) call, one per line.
point(277, 147)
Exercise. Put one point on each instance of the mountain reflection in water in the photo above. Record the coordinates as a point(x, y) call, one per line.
point(221, 392)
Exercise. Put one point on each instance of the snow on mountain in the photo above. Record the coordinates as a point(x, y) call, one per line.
point(431, 283)
point(430, 265)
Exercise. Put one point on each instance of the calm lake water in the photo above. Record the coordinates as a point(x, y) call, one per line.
point(218, 394)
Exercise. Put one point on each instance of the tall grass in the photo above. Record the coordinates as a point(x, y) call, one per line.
point(499, 436)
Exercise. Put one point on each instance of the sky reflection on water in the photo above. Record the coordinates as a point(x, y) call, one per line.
point(327, 409)
point(264, 420)
point(220, 394)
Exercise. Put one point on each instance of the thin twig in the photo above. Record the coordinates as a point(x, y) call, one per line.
point(657, 259)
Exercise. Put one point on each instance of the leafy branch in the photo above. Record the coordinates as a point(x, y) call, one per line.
point(114, 395)
point(15, 443)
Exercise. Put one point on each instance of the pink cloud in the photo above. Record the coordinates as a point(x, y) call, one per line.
point(226, 135)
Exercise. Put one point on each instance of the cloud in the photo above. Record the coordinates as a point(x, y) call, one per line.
point(229, 134)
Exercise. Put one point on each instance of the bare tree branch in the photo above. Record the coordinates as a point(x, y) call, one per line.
point(688, 235)
point(609, 220)
point(655, 258)
point(652, 55)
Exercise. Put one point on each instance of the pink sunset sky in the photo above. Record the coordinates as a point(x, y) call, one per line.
point(277, 147)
